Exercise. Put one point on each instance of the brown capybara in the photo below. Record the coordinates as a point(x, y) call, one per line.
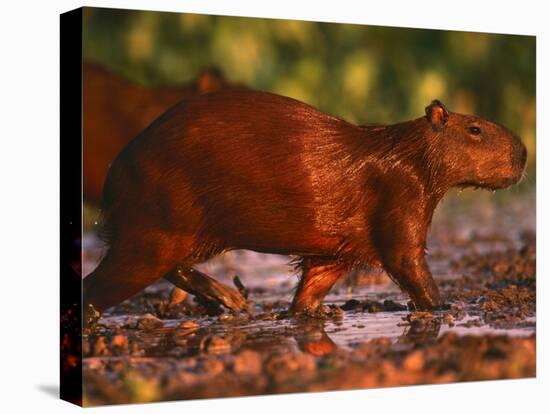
point(258, 171)
point(116, 110)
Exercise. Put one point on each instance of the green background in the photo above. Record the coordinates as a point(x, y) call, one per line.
point(360, 73)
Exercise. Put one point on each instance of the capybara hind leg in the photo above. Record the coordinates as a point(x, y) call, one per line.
point(206, 289)
point(318, 277)
point(124, 272)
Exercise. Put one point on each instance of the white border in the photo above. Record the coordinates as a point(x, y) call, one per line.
point(29, 163)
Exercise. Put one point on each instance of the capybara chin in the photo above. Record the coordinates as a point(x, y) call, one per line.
point(253, 170)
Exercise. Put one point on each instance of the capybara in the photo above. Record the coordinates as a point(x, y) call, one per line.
point(239, 169)
point(116, 110)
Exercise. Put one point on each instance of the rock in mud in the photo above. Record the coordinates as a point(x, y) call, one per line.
point(177, 296)
point(149, 321)
point(391, 306)
point(419, 316)
point(372, 306)
point(352, 304)
point(188, 326)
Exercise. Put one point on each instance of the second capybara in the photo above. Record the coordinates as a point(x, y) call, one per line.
point(116, 110)
point(258, 171)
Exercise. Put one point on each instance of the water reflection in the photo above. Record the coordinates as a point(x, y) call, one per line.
point(317, 337)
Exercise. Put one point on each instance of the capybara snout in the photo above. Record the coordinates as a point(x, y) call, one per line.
point(519, 159)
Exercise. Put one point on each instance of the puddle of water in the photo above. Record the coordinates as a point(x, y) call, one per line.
point(291, 335)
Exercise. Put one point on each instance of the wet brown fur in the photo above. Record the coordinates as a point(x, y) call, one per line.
point(254, 170)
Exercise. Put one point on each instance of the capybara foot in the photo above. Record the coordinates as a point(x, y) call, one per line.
point(426, 297)
point(309, 309)
point(207, 289)
point(228, 296)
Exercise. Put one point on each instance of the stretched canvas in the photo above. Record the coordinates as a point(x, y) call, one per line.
point(257, 206)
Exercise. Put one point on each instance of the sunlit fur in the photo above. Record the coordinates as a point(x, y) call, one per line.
point(253, 170)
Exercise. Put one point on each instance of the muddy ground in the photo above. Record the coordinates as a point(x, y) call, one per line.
point(161, 345)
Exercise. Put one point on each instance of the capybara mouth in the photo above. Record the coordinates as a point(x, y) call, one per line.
point(487, 186)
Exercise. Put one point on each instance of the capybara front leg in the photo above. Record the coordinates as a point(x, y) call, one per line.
point(206, 288)
point(414, 277)
point(318, 277)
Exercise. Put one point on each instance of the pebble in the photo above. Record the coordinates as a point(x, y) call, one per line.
point(420, 315)
point(372, 306)
point(177, 296)
point(149, 321)
point(391, 306)
point(351, 305)
point(188, 325)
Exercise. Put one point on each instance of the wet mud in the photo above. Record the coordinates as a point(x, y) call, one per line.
point(163, 345)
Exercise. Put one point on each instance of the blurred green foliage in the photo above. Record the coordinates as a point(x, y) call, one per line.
point(360, 73)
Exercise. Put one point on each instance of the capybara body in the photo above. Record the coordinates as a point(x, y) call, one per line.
point(254, 170)
point(116, 110)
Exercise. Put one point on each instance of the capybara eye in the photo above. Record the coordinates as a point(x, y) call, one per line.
point(474, 130)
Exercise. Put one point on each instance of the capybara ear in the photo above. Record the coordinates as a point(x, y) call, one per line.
point(437, 113)
point(210, 80)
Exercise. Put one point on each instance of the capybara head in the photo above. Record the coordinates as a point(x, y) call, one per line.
point(474, 151)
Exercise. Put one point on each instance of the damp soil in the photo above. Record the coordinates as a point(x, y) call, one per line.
point(162, 345)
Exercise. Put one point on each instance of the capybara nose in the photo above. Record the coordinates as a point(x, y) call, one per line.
point(522, 159)
point(523, 156)
point(519, 156)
